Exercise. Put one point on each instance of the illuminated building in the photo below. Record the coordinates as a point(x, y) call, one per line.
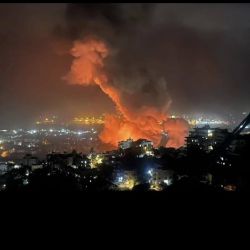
point(146, 147)
point(206, 138)
point(3, 167)
point(210, 122)
point(36, 166)
point(144, 143)
point(125, 144)
point(159, 178)
point(110, 157)
point(126, 180)
point(6, 166)
point(141, 147)
point(95, 160)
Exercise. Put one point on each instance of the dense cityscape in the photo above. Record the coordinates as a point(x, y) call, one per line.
point(68, 156)
point(142, 97)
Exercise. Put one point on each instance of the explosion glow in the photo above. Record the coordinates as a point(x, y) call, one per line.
point(88, 68)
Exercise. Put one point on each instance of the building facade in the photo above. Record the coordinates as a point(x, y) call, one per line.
point(206, 138)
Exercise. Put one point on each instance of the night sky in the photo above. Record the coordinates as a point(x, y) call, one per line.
point(199, 52)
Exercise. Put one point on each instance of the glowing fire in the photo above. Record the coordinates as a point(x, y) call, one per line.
point(88, 68)
point(5, 154)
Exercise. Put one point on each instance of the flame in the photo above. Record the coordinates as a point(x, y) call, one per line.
point(5, 154)
point(88, 68)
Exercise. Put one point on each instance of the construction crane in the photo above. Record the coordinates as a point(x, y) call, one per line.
point(221, 149)
point(234, 134)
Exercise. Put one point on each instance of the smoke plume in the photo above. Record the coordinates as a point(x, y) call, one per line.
point(88, 68)
point(106, 54)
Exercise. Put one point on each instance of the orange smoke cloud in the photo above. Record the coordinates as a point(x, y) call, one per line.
point(88, 68)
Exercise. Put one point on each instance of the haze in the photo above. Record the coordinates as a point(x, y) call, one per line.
point(199, 51)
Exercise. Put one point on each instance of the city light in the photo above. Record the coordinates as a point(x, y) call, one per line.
point(158, 178)
point(168, 182)
point(150, 172)
point(210, 133)
point(45, 121)
point(25, 182)
point(34, 131)
point(144, 97)
point(95, 160)
point(88, 120)
point(155, 186)
point(127, 184)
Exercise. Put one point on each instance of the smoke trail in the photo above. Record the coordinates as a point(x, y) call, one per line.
point(88, 68)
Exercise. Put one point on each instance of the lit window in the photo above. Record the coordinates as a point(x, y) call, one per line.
point(209, 133)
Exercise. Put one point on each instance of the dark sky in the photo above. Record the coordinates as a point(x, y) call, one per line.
point(200, 50)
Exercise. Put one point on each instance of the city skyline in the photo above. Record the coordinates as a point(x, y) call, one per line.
point(124, 97)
